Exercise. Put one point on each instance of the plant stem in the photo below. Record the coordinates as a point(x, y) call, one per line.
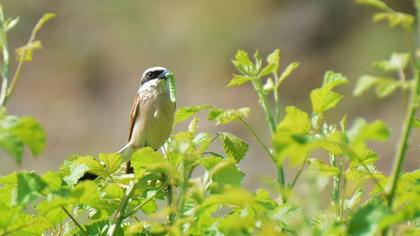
point(119, 216)
point(5, 62)
point(256, 82)
point(74, 220)
point(403, 144)
point(136, 208)
point(336, 186)
point(298, 174)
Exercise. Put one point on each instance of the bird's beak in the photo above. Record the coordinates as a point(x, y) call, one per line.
point(164, 74)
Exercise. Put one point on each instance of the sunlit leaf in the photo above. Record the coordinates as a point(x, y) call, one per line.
point(397, 62)
point(322, 168)
point(233, 146)
point(238, 80)
point(287, 72)
point(223, 117)
point(295, 120)
point(29, 187)
point(323, 98)
point(112, 161)
point(184, 113)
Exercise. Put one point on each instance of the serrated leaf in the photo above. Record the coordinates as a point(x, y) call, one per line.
point(29, 187)
point(233, 146)
point(243, 64)
point(112, 161)
point(222, 171)
point(184, 113)
point(93, 165)
point(147, 159)
point(322, 168)
point(397, 62)
point(238, 80)
point(323, 98)
point(295, 120)
point(223, 117)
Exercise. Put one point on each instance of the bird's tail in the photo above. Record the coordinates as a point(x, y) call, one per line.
point(126, 152)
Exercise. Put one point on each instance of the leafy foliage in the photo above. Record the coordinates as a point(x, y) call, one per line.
point(190, 188)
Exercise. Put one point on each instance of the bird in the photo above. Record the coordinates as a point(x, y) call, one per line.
point(151, 116)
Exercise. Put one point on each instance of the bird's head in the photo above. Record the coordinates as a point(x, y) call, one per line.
point(154, 76)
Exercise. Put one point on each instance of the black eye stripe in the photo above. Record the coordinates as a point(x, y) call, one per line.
point(151, 75)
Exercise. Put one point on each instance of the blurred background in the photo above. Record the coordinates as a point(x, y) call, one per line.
point(81, 85)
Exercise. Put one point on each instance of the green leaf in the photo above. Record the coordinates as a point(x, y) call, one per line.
point(269, 86)
point(238, 80)
point(76, 171)
point(222, 171)
point(29, 187)
point(227, 116)
point(243, 64)
point(25, 53)
point(322, 168)
point(184, 113)
point(365, 221)
point(147, 158)
point(31, 133)
point(386, 87)
point(296, 121)
point(287, 72)
point(274, 59)
point(383, 86)
point(112, 161)
point(361, 131)
point(323, 98)
point(12, 145)
point(233, 146)
point(10, 23)
point(396, 19)
point(397, 62)
point(364, 83)
point(93, 165)
point(374, 3)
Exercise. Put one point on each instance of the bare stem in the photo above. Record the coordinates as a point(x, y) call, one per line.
point(271, 123)
point(74, 220)
point(119, 216)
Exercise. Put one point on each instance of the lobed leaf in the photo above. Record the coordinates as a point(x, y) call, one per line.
point(184, 113)
point(295, 121)
point(397, 62)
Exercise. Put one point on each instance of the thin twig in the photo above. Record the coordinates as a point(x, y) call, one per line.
point(74, 220)
point(298, 174)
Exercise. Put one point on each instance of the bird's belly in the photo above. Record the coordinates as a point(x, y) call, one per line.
point(154, 124)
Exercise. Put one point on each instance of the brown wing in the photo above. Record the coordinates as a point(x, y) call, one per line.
point(135, 110)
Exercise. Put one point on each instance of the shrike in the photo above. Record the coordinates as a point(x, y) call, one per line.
point(152, 114)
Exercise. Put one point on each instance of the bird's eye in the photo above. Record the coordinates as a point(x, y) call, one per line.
point(149, 74)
